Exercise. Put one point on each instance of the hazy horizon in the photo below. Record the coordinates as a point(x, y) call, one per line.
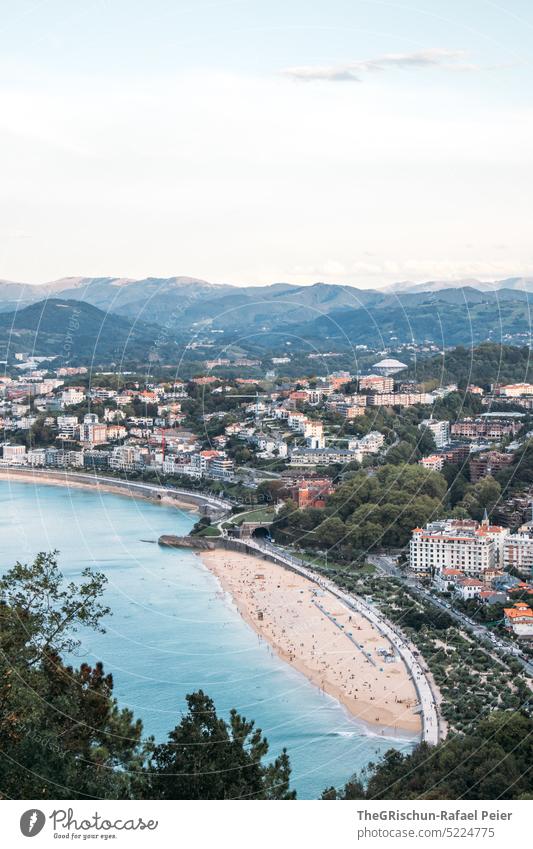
point(252, 142)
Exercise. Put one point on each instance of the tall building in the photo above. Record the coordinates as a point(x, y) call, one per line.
point(454, 544)
point(518, 553)
point(92, 431)
point(440, 431)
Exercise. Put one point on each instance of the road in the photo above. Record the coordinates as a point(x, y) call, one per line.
point(431, 732)
point(497, 644)
point(64, 476)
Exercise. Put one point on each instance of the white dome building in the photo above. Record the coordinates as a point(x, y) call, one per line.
point(389, 366)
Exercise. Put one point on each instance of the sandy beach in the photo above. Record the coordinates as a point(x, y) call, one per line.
point(321, 638)
point(95, 484)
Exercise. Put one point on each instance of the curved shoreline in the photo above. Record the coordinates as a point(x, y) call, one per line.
point(312, 632)
point(155, 493)
point(179, 499)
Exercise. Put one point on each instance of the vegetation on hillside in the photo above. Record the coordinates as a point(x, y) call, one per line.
point(62, 733)
point(494, 761)
point(367, 511)
point(482, 365)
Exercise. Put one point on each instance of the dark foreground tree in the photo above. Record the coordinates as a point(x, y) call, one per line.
point(62, 733)
point(208, 758)
point(495, 761)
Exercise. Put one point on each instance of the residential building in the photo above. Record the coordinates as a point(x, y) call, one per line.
point(221, 467)
point(518, 553)
point(400, 399)
point(455, 544)
point(439, 429)
point(485, 427)
point(92, 431)
point(73, 395)
point(36, 457)
point(371, 443)
point(435, 462)
point(488, 463)
point(469, 588)
point(515, 390)
point(519, 619)
point(96, 460)
point(376, 383)
point(321, 457)
point(14, 454)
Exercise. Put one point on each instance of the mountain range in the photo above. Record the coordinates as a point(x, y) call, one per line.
point(120, 313)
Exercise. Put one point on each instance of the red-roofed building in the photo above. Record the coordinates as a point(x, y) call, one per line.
point(519, 619)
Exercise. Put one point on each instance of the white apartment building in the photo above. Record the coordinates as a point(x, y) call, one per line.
point(368, 444)
point(435, 462)
point(440, 431)
point(322, 456)
point(68, 425)
point(518, 553)
point(14, 454)
point(297, 421)
point(73, 395)
point(126, 458)
point(515, 390)
point(400, 399)
point(36, 457)
point(454, 544)
point(221, 468)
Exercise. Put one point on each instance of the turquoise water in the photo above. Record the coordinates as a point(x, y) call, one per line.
point(173, 630)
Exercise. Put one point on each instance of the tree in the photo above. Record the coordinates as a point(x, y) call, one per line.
point(42, 615)
point(208, 758)
point(491, 762)
point(62, 733)
point(480, 497)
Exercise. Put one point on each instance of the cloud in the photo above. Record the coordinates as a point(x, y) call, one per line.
point(352, 71)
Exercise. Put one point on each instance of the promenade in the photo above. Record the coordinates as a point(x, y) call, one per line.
point(431, 732)
point(193, 497)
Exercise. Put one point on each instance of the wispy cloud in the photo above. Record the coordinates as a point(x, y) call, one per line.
point(453, 60)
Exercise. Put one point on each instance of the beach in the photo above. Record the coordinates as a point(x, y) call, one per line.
point(121, 487)
point(338, 650)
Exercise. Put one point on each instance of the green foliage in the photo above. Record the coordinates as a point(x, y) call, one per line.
point(480, 497)
point(62, 733)
point(492, 762)
point(368, 511)
point(208, 758)
point(483, 365)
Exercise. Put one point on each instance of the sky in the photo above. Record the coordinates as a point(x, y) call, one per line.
point(254, 141)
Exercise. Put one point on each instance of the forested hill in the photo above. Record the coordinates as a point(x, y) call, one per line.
point(482, 365)
point(74, 330)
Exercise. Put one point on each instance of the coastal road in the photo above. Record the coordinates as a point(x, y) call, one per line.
point(212, 501)
point(431, 732)
point(497, 644)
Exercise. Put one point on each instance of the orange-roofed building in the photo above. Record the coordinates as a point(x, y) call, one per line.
point(519, 619)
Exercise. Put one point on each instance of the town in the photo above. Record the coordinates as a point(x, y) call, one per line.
point(285, 450)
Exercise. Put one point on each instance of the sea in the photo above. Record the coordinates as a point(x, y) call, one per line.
point(173, 630)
